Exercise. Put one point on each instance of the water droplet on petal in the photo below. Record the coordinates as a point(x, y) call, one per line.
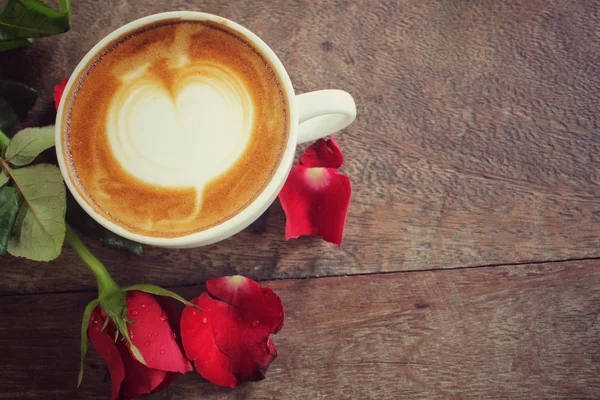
point(162, 352)
point(130, 335)
point(204, 320)
point(97, 329)
point(143, 305)
point(193, 312)
point(134, 313)
point(255, 323)
point(281, 314)
point(148, 309)
point(95, 321)
point(149, 335)
point(147, 343)
point(163, 318)
point(174, 335)
point(155, 334)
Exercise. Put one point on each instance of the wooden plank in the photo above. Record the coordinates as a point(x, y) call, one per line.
point(518, 332)
point(475, 141)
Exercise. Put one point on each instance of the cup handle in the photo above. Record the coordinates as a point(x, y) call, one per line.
point(323, 112)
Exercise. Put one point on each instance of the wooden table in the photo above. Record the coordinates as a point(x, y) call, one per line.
point(471, 261)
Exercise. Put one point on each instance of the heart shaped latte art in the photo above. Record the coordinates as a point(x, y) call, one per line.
point(182, 130)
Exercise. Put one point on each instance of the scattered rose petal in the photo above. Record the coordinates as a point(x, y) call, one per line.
point(229, 339)
point(315, 202)
point(322, 153)
point(316, 197)
point(58, 92)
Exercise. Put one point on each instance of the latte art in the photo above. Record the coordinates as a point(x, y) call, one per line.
point(208, 115)
point(175, 128)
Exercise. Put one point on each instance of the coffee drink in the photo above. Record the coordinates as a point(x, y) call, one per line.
point(175, 127)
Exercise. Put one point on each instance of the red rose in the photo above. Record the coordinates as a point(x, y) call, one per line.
point(153, 333)
point(228, 339)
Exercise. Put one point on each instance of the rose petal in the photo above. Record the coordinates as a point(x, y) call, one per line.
point(152, 334)
point(315, 202)
point(174, 319)
point(104, 344)
point(139, 379)
point(58, 92)
point(169, 379)
point(229, 339)
point(323, 153)
point(172, 314)
point(244, 293)
point(197, 334)
point(225, 349)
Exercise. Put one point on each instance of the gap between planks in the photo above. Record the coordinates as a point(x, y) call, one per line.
point(438, 270)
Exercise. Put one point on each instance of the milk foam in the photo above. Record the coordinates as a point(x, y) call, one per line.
point(184, 135)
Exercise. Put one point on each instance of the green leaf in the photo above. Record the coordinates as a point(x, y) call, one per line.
point(157, 290)
point(21, 97)
point(3, 178)
point(80, 220)
point(87, 313)
point(9, 44)
point(16, 100)
point(39, 230)
point(7, 114)
point(33, 18)
point(4, 141)
point(9, 205)
point(27, 144)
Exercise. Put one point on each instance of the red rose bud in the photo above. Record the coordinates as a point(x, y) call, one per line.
point(228, 339)
point(58, 92)
point(152, 332)
point(315, 198)
point(132, 330)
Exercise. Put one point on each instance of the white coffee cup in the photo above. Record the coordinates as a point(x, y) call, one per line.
point(312, 115)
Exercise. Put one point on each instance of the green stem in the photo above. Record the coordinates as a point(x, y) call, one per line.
point(106, 283)
point(4, 141)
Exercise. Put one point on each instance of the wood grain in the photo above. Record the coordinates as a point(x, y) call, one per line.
point(519, 332)
point(475, 144)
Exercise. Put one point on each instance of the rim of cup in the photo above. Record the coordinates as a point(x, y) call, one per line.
point(247, 215)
